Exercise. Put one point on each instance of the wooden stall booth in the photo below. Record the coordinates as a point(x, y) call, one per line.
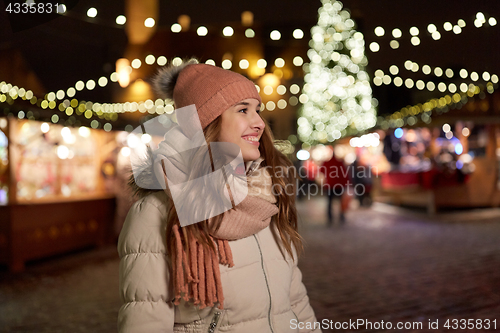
point(452, 162)
point(53, 192)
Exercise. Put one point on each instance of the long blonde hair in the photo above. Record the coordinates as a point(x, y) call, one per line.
point(286, 219)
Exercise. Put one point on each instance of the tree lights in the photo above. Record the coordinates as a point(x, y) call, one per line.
point(337, 97)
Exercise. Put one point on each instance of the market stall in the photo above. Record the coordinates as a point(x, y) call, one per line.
point(448, 165)
point(53, 192)
point(455, 165)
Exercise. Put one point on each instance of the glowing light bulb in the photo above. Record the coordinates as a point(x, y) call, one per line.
point(176, 27)
point(227, 64)
point(121, 20)
point(228, 31)
point(202, 31)
point(436, 35)
point(136, 63)
point(374, 47)
point(396, 33)
point(279, 62)
point(150, 59)
point(298, 34)
point(244, 64)
point(275, 35)
point(92, 12)
point(249, 33)
point(298, 61)
point(161, 61)
point(379, 31)
point(149, 22)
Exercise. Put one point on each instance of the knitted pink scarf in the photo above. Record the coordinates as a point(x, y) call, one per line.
point(196, 273)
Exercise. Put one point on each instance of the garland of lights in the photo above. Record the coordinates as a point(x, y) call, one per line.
point(382, 78)
point(479, 21)
point(107, 110)
point(161, 61)
point(149, 22)
point(110, 110)
point(421, 85)
point(9, 93)
point(50, 99)
point(330, 10)
point(159, 106)
point(427, 70)
point(379, 31)
point(337, 98)
point(408, 115)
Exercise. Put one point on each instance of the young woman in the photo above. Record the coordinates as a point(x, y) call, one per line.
point(235, 272)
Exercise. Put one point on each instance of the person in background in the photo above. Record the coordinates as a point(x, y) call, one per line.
point(336, 179)
point(361, 178)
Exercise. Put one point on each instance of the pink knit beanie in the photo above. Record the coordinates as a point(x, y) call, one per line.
point(212, 89)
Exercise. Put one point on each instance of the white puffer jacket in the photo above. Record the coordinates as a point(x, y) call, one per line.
point(263, 292)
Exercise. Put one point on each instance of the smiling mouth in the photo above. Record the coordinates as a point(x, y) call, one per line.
point(251, 138)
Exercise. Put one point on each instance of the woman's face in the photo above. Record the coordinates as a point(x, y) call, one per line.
point(241, 124)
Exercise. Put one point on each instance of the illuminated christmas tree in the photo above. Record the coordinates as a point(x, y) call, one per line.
point(337, 97)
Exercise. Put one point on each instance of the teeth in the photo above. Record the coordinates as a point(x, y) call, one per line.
point(251, 138)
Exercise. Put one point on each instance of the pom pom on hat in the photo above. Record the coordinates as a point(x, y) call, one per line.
point(164, 82)
point(212, 89)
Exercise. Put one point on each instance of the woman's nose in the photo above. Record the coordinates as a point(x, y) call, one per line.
point(257, 121)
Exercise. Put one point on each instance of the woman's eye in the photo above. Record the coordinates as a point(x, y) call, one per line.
point(243, 110)
point(258, 111)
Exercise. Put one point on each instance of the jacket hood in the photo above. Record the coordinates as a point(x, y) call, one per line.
point(148, 178)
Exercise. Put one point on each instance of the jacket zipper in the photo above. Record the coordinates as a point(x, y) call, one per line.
point(214, 322)
point(267, 283)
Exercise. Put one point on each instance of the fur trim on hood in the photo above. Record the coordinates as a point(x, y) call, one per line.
point(146, 176)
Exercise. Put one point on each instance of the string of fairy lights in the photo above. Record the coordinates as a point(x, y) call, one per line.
point(109, 111)
point(480, 20)
point(10, 93)
point(410, 115)
point(65, 101)
point(162, 61)
point(159, 106)
point(182, 25)
point(383, 78)
point(432, 29)
point(458, 92)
